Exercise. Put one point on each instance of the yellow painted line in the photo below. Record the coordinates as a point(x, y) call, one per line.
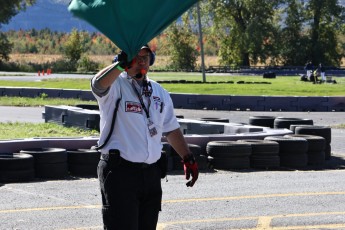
point(50, 208)
point(326, 226)
point(184, 201)
point(253, 197)
point(264, 221)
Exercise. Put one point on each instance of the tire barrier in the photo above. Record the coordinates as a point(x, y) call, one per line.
point(265, 154)
point(316, 148)
point(174, 160)
point(228, 155)
point(292, 151)
point(291, 154)
point(285, 122)
point(49, 162)
point(322, 131)
point(83, 162)
point(16, 167)
point(265, 121)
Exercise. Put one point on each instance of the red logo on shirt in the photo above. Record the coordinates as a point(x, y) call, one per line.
point(133, 107)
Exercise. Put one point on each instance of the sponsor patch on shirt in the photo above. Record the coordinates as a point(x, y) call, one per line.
point(133, 107)
point(157, 102)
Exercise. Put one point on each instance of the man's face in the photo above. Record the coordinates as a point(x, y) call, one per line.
point(141, 62)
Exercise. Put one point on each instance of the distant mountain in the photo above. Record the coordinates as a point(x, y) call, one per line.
point(52, 14)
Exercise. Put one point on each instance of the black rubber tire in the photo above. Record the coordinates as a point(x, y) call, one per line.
point(316, 158)
point(15, 175)
point(195, 149)
point(293, 127)
point(231, 163)
point(177, 162)
point(16, 161)
point(265, 121)
point(288, 145)
point(83, 156)
point(265, 162)
point(52, 170)
point(228, 149)
point(83, 162)
point(315, 143)
point(213, 119)
point(263, 147)
point(202, 162)
point(83, 170)
point(322, 131)
point(328, 152)
point(294, 160)
point(285, 122)
point(47, 155)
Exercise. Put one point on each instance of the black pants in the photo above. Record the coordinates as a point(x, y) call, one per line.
point(131, 195)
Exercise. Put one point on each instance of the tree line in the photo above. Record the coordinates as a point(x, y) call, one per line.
point(240, 33)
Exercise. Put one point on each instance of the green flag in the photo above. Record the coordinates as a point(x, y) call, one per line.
point(129, 24)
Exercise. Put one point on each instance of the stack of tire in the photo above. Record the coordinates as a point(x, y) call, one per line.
point(49, 162)
point(83, 162)
point(16, 167)
point(228, 155)
point(265, 121)
point(175, 161)
point(265, 154)
point(286, 122)
point(316, 148)
point(292, 151)
point(322, 131)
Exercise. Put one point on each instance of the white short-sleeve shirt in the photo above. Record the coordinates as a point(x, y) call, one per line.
point(131, 134)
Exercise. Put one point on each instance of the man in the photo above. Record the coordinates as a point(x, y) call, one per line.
point(309, 69)
point(321, 70)
point(135, 112)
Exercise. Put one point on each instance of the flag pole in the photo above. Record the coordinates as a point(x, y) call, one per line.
point(201, 44)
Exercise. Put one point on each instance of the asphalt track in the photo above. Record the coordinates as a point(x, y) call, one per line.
point(282, 199)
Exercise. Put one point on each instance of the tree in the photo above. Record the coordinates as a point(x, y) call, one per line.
point(8, 9)
point(293, 43)
point(5, 47)
point(182, 46)
point(73, 48)
point(325, 19)
point(246, 29)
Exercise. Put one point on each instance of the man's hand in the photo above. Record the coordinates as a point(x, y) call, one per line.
point(190, 169)
point(123, 62)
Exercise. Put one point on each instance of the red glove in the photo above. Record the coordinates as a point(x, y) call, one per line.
point(190, 169)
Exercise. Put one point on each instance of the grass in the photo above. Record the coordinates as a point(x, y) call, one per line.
point(254, 85)
point(18, 130)
point(39, 101)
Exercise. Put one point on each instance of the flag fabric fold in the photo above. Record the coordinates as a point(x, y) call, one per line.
point(130, 24)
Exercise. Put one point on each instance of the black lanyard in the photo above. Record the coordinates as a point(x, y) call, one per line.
point(142, 101)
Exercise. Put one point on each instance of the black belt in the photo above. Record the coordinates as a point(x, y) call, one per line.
point(122, 161)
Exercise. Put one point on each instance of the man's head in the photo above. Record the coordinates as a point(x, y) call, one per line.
point(141, 63)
